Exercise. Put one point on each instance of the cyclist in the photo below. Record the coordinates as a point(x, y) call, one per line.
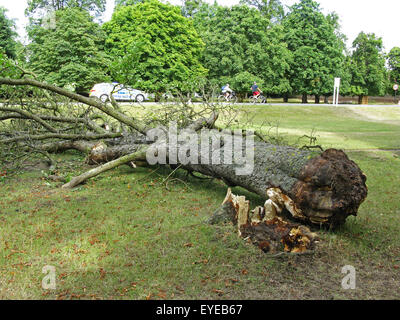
point(226, 91)
point(256, 90)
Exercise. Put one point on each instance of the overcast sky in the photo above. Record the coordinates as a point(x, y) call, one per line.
point(381, 17)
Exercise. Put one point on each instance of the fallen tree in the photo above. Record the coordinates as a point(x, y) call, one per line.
point(326, 187)
point(323, 187)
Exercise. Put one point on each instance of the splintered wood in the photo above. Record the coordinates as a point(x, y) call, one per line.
point(264, 226)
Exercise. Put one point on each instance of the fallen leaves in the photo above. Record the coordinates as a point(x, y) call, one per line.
point(204, 261)
point(217, 291)
point(103, 273)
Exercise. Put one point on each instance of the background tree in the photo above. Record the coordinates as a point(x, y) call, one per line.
point(7, 34)
point(394, 67)
point(34, 6)
point(73, 52)
point(337, 62)
point(272, 9)
point(191, 7)
point(317, 49)
point(127, 2)
point(159, 47)
point(368, 67)
point(242, 44)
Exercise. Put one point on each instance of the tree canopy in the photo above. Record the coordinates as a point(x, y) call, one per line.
point(71, 53)
point(394, 66)
point(242, 46)
point(158, 47)
point(127, 2)
point(368, 66)
point(318, 50)
point(272, 9)
point(96, 6)
point(155, 44)
point(7, 34)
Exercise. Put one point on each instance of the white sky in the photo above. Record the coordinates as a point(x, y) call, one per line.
point(380, 17)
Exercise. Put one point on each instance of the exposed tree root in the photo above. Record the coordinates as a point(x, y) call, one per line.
point(263, 226)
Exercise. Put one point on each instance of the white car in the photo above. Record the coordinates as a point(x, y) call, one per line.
point(120, 92)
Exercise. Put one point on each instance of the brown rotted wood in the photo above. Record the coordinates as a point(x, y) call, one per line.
point(269, 232)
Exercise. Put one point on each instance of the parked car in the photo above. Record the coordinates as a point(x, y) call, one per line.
point(120, 92)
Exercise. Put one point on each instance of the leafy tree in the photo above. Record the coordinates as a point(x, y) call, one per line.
point(394, 67)
point(127, 2)
point(97, 6)
point(7, 34)
point(317, 47)
point(368, 66)
point(155, 47)
point(242, 44)
point(6, 68)
point(190, 7)
point(271, 9)
point(73, 52)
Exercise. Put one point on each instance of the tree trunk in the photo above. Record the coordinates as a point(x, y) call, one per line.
point(286, 98)
point(326, 100)
point(326, 187)
point(317, 99)
point(304, 98)
point(363, 100)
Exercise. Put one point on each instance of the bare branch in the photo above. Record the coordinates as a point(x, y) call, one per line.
point(30, 116)
point(65, 136)
point(138, 155)
point(131, 122)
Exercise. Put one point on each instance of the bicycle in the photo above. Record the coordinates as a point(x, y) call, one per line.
point(259, 99)
point(231, 98)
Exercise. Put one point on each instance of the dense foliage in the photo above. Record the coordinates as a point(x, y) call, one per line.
point(155, 44)
point(7, 35)
point(394, 67)
point(34, 6)
point(368, 66)
point(157, 47)
point(318, 55)
point(272, 9)
point(70, 54)
point(242, 46)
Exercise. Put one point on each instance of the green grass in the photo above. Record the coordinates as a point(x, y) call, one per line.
point(128, 235)
point(338, 127)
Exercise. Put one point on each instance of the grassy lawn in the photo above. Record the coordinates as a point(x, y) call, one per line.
point(127, 234)
point(338, 127)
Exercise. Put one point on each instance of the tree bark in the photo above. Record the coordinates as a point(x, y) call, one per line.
point(304, 98)
point(362, 99)
point(326, 187)
point(286, 98)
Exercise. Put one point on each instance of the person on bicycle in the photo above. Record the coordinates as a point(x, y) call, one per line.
point(256, 90)
point(226, 91)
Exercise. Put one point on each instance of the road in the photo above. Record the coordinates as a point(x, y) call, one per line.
point(265, 104)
